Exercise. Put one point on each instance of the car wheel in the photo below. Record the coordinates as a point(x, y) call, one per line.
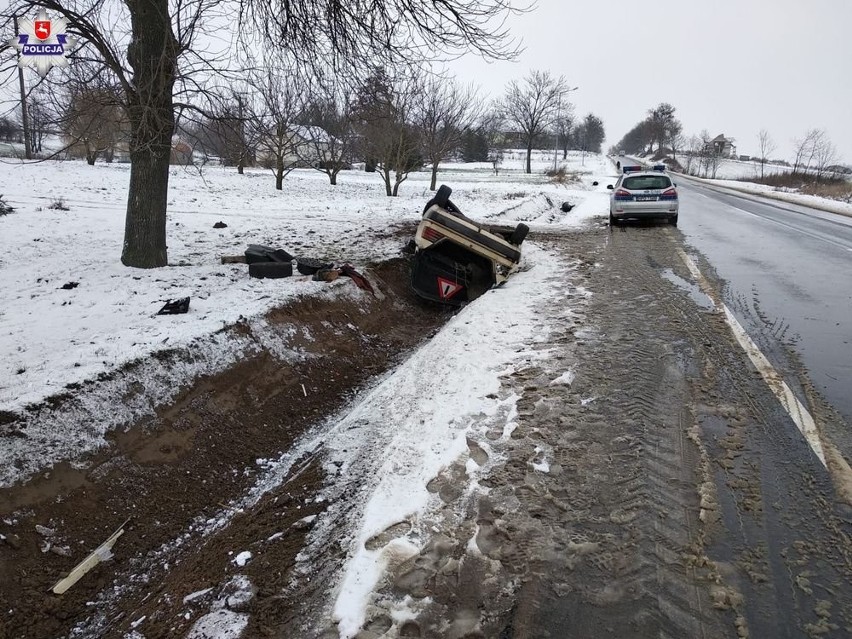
point(270, 270)
point(309, 265)
point(673, 220)
point(442, 197)
point(519, 234)
point(611, 220)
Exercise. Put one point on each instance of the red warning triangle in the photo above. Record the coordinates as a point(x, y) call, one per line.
point(448, 288)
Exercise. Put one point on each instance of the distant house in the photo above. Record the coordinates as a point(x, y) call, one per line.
point(181, 153)
point(723, 146)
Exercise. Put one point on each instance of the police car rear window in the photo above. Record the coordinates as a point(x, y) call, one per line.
point(644, 182)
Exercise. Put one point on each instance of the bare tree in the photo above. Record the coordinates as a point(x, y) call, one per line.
point(805, 149)
point(42, 117)
point(692, 154)
point(677, 143)
point(383, 115)
point(330, 143)
point(445, 113)
point(662, 125)
point(710, 155)
point(766, 147)
point(152, 63)
point(564, 127)
point(278, 90)
point(825, 156)
point(532, 106)
point(92, 116)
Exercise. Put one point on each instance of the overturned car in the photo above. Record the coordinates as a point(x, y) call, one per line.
point(456, 259)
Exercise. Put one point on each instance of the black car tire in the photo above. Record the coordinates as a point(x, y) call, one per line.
point(673, 220)
point(442, 197)
point(310, 265)
point(519, 234)
point(270, 270)
point(611, 220)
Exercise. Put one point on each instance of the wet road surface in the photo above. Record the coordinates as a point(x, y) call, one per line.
point(789, 280)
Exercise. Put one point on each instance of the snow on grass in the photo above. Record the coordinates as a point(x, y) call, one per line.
point(52, 336)
point(785, 195)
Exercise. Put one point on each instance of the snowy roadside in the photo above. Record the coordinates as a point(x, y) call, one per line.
point(771, 192)
point(55, 339)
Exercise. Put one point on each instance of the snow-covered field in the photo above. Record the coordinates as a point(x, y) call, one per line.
point(729, 169)
point(53, 335)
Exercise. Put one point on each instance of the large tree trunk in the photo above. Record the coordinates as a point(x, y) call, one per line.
point(332, 177)
point(434, 175)
point(153, 56)
point(387, 179)
point(529, 154)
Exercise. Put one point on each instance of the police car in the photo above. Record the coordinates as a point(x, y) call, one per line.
point(641, 194)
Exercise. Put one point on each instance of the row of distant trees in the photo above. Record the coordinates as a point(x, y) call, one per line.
point(279, 118)
point(661, 133)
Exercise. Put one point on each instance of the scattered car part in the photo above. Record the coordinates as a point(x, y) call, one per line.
point(326, 275)
point(258, 253)
point(175, 307)
point(360, 281)
point(220, 225)
point(270, 270)
point(99, 554)
point(310, 265)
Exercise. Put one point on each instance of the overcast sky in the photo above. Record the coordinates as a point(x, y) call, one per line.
point(728, 66)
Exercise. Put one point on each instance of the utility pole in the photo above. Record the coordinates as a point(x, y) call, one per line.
point(25, 120)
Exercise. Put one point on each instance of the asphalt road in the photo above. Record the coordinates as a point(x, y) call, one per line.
point(788, 270)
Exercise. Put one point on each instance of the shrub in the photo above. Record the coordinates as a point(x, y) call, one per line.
point(58, 204)
point(5, 208)
point(834, 187)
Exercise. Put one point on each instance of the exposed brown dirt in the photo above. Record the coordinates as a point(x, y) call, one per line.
point(190, 461)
